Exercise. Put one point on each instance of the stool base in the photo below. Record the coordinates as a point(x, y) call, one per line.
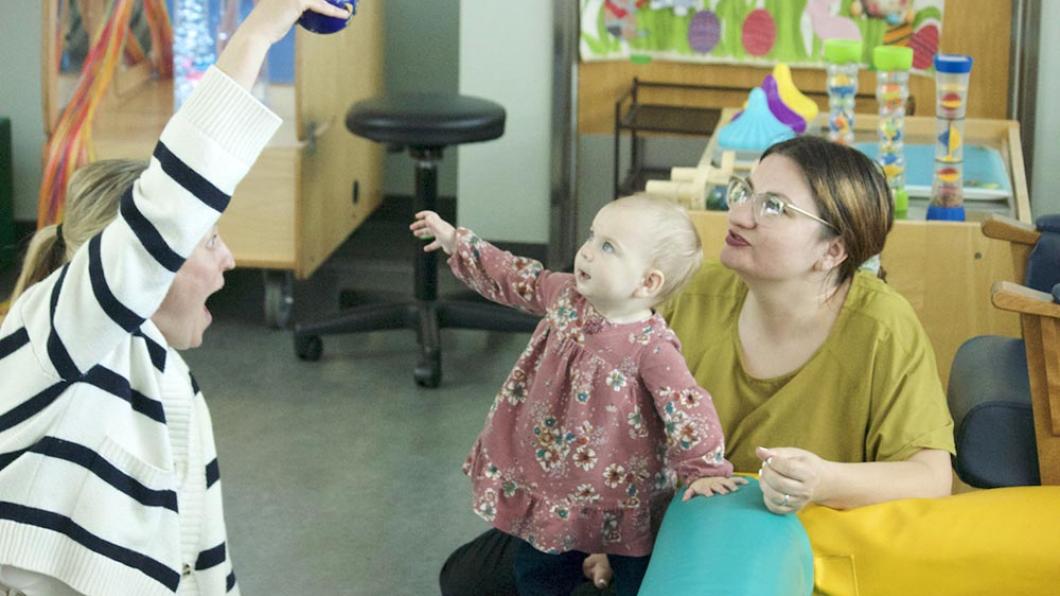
point(427, 318)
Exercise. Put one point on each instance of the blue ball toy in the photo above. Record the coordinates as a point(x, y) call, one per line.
point(318, 23)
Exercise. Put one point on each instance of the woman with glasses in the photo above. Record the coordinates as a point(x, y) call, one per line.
point(823, 378)
point(821, 373)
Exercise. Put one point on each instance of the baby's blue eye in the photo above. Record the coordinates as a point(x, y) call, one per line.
point(607, 247)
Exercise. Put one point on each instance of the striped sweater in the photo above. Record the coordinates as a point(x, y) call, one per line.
point(108, 475)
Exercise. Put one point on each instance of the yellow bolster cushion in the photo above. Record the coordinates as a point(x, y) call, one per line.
point(999, 541)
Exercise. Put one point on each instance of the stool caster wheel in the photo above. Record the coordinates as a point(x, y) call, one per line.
point(428, 371)
point(309, 347)
point(279, 298)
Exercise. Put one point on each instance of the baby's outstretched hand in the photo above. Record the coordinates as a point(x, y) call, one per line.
point(427, 225)
point(714, 485)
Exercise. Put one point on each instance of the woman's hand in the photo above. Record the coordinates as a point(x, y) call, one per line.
point(265, 25)
point(428, 224)
point(272, 19)
point(713, 485)
point(790, 478)
point(597, 569)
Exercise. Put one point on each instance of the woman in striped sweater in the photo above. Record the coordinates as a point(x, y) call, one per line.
point(108, 474)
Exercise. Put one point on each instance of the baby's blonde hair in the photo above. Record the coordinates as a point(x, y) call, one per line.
point(676, 251)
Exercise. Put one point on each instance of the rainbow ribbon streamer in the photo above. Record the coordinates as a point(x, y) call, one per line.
point(70, 145)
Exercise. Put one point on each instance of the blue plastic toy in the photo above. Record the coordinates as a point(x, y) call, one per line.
point(755, 130)
point(318, 23)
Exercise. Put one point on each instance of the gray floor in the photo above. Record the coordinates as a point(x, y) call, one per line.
point(342, 476)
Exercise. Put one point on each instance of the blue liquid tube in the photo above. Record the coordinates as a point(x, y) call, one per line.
point(842, 58)
point(951, 103)
point(194, 46)
point(201, 30)
point(892, 90)
point(232, 13)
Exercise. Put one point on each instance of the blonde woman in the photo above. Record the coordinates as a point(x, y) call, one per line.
point(108, 474)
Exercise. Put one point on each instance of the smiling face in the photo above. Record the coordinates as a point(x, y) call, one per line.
point(777, 248)
point(183, 317)
point(612, 264)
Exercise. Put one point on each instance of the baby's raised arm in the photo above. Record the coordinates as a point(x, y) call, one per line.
point(496, 274)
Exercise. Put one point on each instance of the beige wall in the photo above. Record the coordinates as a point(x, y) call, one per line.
point(1045, 179)
point(503, 186)
point(20, 98)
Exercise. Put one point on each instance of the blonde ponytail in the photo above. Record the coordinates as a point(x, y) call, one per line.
point(93, 197)
point(45, 253)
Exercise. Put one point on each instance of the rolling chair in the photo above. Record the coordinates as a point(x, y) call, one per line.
point(1004, 392)
point(426, 124)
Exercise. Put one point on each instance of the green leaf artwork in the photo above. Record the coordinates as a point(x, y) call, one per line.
point(778, 31)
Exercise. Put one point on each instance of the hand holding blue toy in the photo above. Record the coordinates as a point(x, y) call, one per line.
point(318, 23)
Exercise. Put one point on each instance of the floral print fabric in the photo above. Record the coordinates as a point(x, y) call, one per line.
point(595, 424)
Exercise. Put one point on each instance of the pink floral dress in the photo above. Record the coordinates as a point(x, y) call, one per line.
point(592, 428)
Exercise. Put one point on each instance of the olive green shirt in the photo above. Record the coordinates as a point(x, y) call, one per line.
point(871, 392)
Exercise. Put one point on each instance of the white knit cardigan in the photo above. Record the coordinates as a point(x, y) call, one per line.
point(108, 474)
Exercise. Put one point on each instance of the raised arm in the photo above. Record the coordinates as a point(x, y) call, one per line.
point(497, 275)
point(118, 278)
point(265, 25)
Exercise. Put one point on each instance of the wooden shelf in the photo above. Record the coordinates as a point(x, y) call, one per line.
point(671, 119)
point(638, 117)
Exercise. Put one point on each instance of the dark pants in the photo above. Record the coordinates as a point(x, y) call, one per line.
point(541, 574)
point(486, 567)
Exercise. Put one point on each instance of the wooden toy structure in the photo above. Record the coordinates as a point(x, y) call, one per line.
point(691, 186)
point(315, 182)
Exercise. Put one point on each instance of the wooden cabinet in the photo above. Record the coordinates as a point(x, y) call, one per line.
point(315, 182)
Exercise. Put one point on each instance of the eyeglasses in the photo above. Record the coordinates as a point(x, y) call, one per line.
point(765, 206)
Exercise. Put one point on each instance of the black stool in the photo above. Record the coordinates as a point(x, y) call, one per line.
point(426, 124)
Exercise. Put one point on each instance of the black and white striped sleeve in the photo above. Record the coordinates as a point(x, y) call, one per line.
point(119, 278)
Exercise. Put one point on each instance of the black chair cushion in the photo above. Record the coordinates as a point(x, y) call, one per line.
point(990, 398)
point(426, 119)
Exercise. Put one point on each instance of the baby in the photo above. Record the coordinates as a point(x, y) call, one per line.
point(600, 418)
